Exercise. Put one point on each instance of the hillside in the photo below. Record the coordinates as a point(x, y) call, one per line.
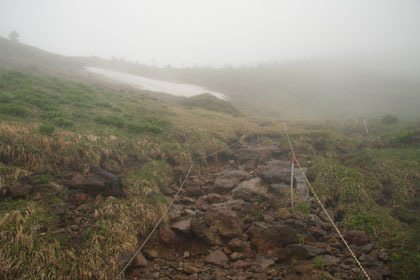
point(88, 167)
point(340, 87)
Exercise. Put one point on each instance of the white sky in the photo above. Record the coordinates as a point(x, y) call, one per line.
point(196, 32)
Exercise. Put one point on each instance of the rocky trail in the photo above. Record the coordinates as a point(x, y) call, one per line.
point(234, 222)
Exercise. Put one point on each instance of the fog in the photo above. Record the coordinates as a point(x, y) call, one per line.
point(217, 33)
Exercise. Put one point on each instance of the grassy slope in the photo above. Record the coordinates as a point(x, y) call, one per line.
point(373, 181)
point(49, 126)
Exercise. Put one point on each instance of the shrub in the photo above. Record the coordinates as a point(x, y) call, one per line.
point(388, 119)
point(46, 129)
point(13, 110)
point(110, 121)
point(61, 122)
point(302, 207)
point(410, 137)
point(141, 128)
point(319, 262)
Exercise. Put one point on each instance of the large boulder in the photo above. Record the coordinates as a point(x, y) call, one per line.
point(228, 179)
point(252, 191)
point(276, 172)
point(21, 189)
point(357, 237)
point(225, 221)
point(183, 226)
point(299, 252)
point(268, 237)
point(222, 185)
point(98, 181)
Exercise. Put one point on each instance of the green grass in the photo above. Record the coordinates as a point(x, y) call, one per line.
point(374, 180)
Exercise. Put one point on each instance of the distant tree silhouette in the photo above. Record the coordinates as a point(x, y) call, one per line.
point(14, 36)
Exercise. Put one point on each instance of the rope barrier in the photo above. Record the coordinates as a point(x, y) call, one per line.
point(170, 205)
point(322, 206)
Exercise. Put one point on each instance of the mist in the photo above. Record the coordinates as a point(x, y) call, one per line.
point(190, 33)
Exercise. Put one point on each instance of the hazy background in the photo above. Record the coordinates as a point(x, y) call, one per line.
point(235, 32)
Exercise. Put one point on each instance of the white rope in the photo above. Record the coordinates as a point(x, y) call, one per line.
point(323, 208)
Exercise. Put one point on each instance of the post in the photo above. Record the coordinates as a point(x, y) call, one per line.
point(284, 128)
point(291, 183)
point(366, 127)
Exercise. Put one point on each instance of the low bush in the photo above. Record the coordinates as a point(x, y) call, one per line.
point(388, 119)
point(13, 110)
point(142, 128)
point(110, 120)
point(46, 129)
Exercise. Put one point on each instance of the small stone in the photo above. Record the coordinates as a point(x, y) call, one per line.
point(190, 269)
point(182, 226)
point(283, 214)
point(330, 260)
point(214, 197)
point(217, 257)
point(151, 253)
point(187, 200)
point(241, 265)
point(167, 235)
point(235, 256)
point(266, 263)
point(140, 261)
point(227, 250)
point(80, 198)
point(190, 212)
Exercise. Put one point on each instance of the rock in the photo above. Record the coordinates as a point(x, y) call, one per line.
point(277, 188)
point(186, 200)
point(167, 235)
point(80, 198)
point(57, 210)
point(266, 263)
point(324, 217)
point(269, 237)
point(235, 256)
point(383, 256)
point(276, 172)
point(209, 235)
point(241, 265)
point(243, 247)
point(190, 212)
point(189, 269)
point(193, 191)
point(217, 257)
point(252, 191)
point(317, 232)
point(182, 226)
point(151, 253)
point(214, 197)
point(299, 252)
point(167, 191)
point(253, 154)
point(140, 261)
point(99, 181)
point(356, 237)
point(234, 175)
point(21, 189)
point(283, 214)
point(330, 260)
point(225, 221)
point(222, 185)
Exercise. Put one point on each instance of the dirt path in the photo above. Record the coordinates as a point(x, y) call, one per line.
point(234, 222)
